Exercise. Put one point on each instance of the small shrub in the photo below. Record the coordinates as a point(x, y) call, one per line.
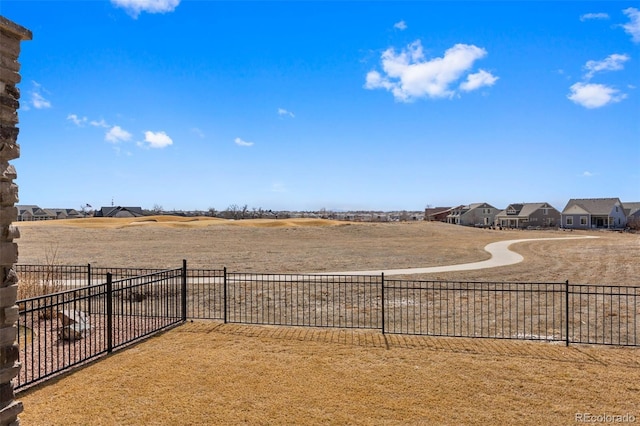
point(47, 281)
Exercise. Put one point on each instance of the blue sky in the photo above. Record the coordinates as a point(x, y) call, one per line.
point(337, 105)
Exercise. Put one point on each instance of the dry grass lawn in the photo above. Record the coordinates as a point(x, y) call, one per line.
point(207, 373)
point(210, 373)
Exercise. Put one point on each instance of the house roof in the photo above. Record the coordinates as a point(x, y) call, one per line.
point(113, 210)
point(432, 211)
point(597, 206)
point(631, 208)
point(32, 209)
point(525, 209)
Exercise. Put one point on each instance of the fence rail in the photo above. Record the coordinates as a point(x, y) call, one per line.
point(123, 305)
point(61, 330)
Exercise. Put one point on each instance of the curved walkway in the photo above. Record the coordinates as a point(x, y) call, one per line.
point(501, 255)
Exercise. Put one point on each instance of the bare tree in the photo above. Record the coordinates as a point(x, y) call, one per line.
point(232, 212)
point(212, 211)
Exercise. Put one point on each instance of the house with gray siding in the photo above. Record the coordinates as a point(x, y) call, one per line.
point(477, 214)
point(64, 213)
point(632, 211)
point(525, 215)
point(33, 212)
point(593, 213)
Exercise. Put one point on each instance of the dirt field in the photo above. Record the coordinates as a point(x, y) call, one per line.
point(211, 373)
point(301, 246)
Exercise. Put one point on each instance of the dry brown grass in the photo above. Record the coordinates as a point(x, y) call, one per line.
point(210, 373)
point(310, 245)
point(207, 373)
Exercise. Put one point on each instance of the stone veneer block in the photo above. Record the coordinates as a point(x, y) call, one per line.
point(8, 215)
point(11, 34)
point(8, 256)
point(8, 150)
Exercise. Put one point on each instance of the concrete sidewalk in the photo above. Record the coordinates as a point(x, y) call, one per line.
point(501, 255)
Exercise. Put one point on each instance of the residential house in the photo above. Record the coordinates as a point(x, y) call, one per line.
point(593, 213)
point(524, 215)
point(33, 212)
point(436, 214)
point(64, 213)
point(119, 211)
point(477, 214)
point(632, 211)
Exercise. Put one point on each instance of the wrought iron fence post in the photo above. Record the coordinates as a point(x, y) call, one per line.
point(184, 290)
point(109, 312)
point(382, 298)
point(224, 295)
point(89, 285)
point(566, 311)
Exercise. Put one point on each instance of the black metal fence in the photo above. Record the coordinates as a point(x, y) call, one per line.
point(101, 309)
point(61, 330)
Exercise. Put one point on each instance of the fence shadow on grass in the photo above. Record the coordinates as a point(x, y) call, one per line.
point(613, 356)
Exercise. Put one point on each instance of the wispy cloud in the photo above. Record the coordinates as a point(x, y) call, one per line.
point(83, 121)
point(614, 62)
point(633, 26)
point(135, 7)
point(587, 174)
point(37, 99)
point(592, 96)
point(78, 121)
point(156, 140)
point(197, 132)
point(282, 111)
point(99, 123)
point(400, 25)
point(241, 142)
point(591, 16)
point(409, 76)
point(117, 134)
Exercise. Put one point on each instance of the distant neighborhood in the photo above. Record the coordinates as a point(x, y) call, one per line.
point(578, 213)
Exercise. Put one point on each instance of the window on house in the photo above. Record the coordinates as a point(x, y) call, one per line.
point(545, 211)
point(569, 221)
point(583, 220)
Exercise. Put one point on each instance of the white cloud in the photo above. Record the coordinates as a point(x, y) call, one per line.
point(593, 96)
point(400, 25)
point(135, 7)
point(100, 123)
point(477, 80)
point(157, 139)
point(282, 111)
point(633, 27)
point(117, 134)
point(82, 121)
point(587, 174)
point(590, 16)
point(240, 142)
point(77, 120)
point(612, 62)
point(408, 75)
point(37, 100)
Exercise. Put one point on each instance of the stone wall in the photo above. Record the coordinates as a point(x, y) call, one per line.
point(11, 35)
